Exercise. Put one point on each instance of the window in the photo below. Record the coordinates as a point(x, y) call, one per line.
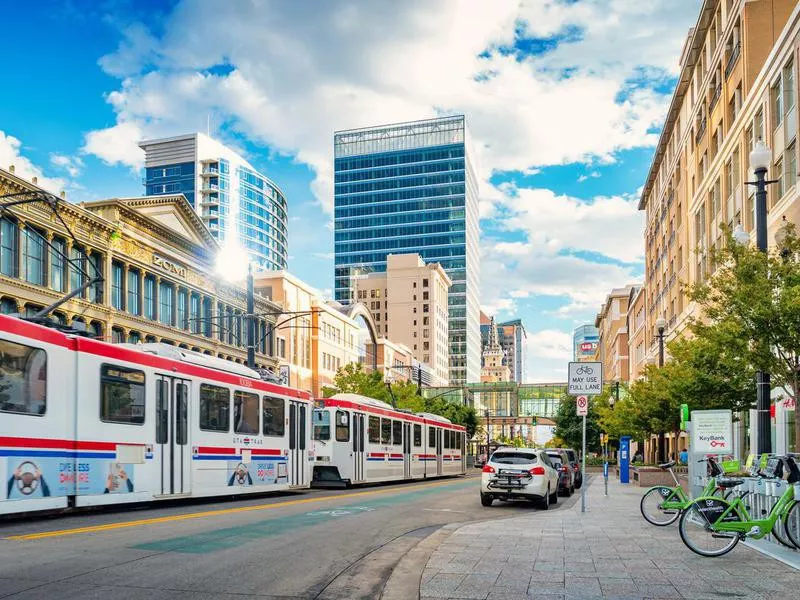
point(425, 296)
point(150, 298)
point(215, 408)
point(121, 395)
point(33, 257)
point(162, 411)
point(425, 308)
point(780, 184)
point(431, 437)
point(8, 247)
point(272, 413)
point(23, 379)
point(386, 431)
point(777, 104)
point(397, 433)
point(790, 173)
point(342, 426)
point(788, 88)
point(245, 412)
point(417, 436)
point(182, 323)
point(133, 304)
point(194, 313)
point(57, 264)
point(117, 274)
point(374, 430)
point(166, 297)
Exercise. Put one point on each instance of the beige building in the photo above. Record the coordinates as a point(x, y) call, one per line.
point(395, 360)
point(612, 325)
point(737, 84)
point(408, 303)
point(638, 335)
point(493, 368)
point(314, 337)
point(155, 264)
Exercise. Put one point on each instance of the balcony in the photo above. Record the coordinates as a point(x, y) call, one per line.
point(733, 58)
point(715, 97)
point(701, 130)
point(209, 171)
point(209, 187)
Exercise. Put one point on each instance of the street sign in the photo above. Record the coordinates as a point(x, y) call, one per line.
point(582, 404)
point(585, 378)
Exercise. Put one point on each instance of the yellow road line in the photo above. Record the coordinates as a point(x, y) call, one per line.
point(208, 513)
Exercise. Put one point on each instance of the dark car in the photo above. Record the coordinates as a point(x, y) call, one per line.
point(566, 476)
point(576, 466)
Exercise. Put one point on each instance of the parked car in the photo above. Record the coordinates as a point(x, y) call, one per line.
point(576, 466)
point(519, 473)
point(566, 475)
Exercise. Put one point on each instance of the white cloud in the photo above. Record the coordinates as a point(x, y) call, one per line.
point(10, 148)
point(293, 76)
point(550, 343)
point(73, 165)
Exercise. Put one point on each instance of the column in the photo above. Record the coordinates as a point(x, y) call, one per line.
point(125, 267)
point(140, 295)
point(108, 280)
point(48, 252)
point(19, 267)
point(156, 298)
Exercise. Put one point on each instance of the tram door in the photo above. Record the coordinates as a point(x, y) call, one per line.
point(298, 413)
point(172, 434)
point(439, 432)
point(358, 446)
point(407, 450)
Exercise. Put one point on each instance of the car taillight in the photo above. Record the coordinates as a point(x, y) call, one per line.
point(565, 469)
point(537, 471)
point(488, 469)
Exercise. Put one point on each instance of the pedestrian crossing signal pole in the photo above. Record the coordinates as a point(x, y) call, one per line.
point(583, 466)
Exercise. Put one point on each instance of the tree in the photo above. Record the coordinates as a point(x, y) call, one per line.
point(569, 426)
point(353, 379)
point(754, 298)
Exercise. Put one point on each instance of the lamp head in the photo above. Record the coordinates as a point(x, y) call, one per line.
point(740, 236)
point(760, 156)
point(661, 324)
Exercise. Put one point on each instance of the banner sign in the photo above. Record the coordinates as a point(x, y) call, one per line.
point(712, 431)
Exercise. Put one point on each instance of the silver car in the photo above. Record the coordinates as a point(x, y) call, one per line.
point(519, 473)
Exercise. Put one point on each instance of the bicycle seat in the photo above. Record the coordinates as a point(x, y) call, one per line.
point(728, 482)
point(667, 465)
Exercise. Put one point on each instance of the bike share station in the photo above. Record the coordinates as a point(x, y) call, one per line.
point(711, 434)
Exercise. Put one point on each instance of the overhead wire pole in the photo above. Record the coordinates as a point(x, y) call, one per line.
point(251, 319)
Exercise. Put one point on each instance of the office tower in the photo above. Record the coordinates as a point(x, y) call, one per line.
point(411, 188)
point(584, 342)
point(244, 210)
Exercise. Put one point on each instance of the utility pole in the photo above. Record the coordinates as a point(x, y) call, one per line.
point(250, 317)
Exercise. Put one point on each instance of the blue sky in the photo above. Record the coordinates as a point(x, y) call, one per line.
point(564, 100)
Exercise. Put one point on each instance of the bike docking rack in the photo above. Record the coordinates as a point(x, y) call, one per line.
point(761, 494)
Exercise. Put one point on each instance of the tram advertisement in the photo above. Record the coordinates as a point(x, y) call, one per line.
point(256, 473)
point(41, 477)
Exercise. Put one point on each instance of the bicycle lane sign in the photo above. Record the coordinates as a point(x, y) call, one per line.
point(585, 378)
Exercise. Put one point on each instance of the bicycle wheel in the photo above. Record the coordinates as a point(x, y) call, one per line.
point(792, 524)
point(650, 506)
point(696, 528)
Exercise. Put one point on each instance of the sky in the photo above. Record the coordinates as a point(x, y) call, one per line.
point(564, 101)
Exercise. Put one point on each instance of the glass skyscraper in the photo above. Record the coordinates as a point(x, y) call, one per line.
point(241, 207)
point(411, 188)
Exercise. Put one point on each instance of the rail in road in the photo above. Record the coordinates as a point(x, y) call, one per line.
point(341, 544)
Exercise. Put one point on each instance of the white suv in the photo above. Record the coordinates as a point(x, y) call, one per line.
point(524, 473)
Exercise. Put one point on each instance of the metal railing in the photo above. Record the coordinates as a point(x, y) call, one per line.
point(715, 97)
point(701, 130)
point(733, 58)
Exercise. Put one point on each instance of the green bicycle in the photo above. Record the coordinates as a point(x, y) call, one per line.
point(662, 505)
point(712, 526)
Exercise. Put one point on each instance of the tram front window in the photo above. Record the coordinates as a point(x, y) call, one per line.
point(322, 425)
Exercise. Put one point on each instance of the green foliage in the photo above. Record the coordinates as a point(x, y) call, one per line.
point(353, 379)
point(569, 426)
point(752, 309)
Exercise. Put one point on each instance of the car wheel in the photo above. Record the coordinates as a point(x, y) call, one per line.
point(544, 503)
point(554, 497)
point(486, 500)
point(572, 490)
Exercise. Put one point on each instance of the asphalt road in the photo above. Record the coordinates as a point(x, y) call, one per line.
point(317, 544)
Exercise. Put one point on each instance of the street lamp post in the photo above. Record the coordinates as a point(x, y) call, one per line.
point(661, 325)
point(488, 438)
point(760, 158)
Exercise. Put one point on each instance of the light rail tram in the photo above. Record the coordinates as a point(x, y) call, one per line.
point(359, 440)
point(85, 423)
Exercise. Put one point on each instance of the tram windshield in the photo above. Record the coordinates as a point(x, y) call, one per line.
point(322, 424)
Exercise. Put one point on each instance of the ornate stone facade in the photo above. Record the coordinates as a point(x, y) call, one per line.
point(157, 261)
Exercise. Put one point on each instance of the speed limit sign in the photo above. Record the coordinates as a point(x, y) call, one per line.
point(582, 404)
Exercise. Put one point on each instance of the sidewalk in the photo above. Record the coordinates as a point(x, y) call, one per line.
point(608, 552)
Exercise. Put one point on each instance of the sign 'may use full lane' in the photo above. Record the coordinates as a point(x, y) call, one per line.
point(585, 378)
